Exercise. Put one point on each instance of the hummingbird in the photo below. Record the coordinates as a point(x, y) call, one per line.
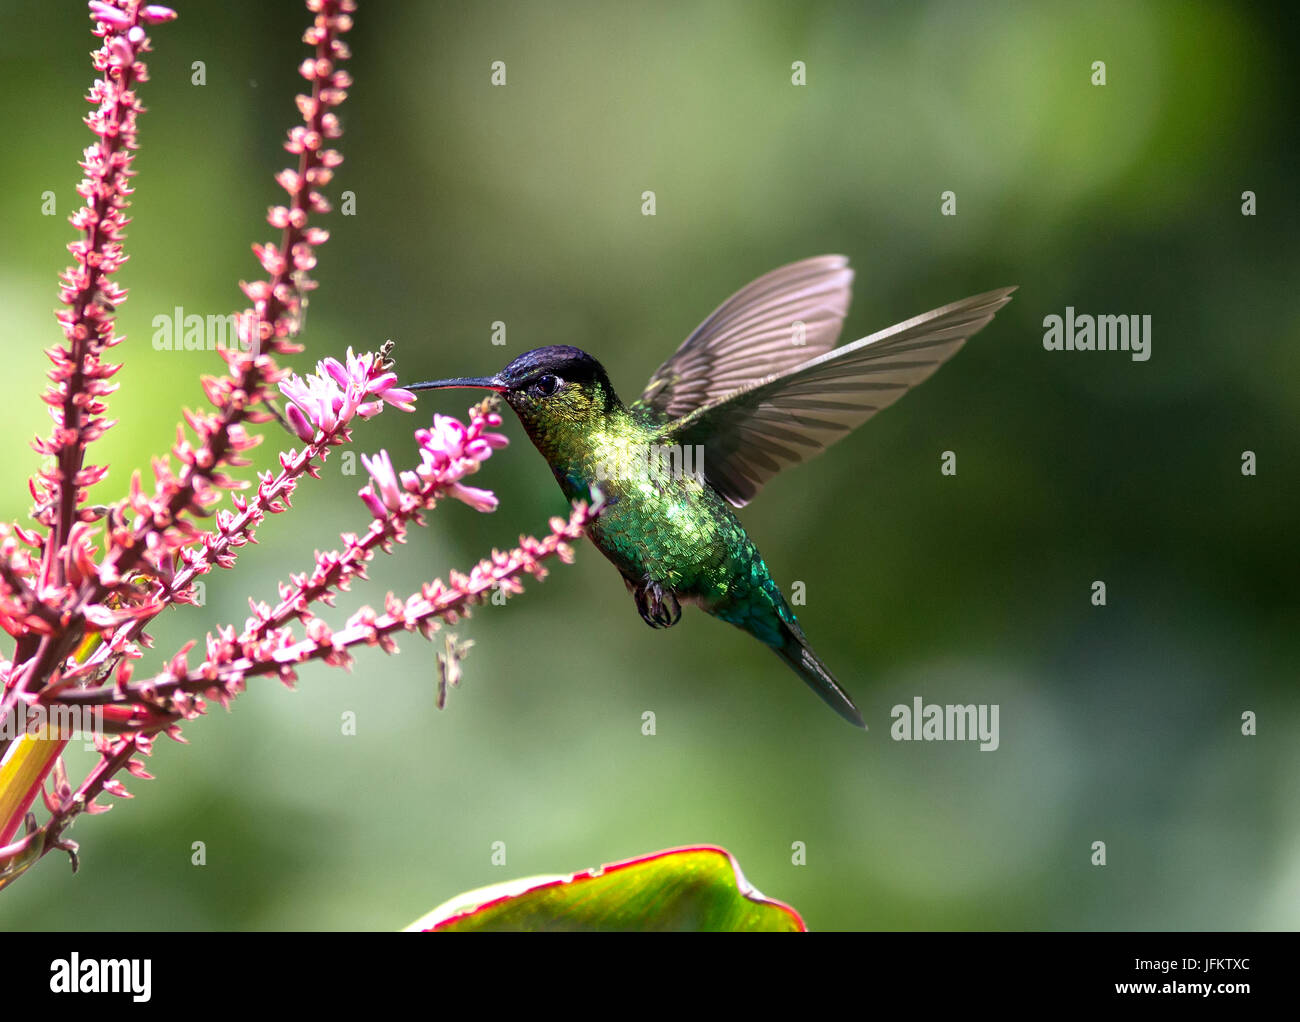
point(757, 387)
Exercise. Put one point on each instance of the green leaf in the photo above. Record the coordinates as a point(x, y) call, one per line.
point(697, 888)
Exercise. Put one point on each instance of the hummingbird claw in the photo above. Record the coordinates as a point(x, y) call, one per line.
point(657, 604)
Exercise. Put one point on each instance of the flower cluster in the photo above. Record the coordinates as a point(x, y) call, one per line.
point(80, 375)
point(328, 399)
point(78, 591)
point(149, 528)
point(448, 452)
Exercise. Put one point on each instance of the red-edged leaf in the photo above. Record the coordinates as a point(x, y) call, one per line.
point(695, 888)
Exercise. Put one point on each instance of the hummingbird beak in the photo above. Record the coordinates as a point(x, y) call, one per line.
point(477, 382)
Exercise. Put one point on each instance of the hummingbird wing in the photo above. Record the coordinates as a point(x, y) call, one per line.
point(751, 434)
point(753, 334)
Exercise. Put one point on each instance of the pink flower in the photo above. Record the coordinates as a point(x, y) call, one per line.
point(110, 15)
point(478, 499)
point(449, 451)
point(328, 399)
point(384, 492)
point(155, 14)
point(121, 53)
point(381, 384)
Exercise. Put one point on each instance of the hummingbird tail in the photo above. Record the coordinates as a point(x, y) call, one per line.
point(796, 652)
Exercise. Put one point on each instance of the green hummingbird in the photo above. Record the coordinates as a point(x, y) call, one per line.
point(757, 387)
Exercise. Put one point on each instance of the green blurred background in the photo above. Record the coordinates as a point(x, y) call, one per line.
point(522, 204)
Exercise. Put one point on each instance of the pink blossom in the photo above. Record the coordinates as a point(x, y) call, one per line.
point(449, 451)
point(478, 499)
point(383, 483)
point(109, 15)
point(328, 399)
point(155, 14)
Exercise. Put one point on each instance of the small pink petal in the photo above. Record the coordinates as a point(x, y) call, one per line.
point(109, 15)
point(479, 500)
point(156, 14)
point(372, 502)
point(299, 422)
point(401, 399)
point(381, 382)
point(120, 51)
point(336, 371)
point(384, 477)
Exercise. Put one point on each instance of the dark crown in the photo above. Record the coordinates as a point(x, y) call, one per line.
point(562, 360)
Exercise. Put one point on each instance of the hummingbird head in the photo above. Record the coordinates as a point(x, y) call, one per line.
point(553, 390)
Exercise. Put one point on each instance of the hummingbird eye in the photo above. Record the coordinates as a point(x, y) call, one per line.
point(545, 385)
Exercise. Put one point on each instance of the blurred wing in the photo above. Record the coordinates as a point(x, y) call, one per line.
point(752, 335)
point(751, 435)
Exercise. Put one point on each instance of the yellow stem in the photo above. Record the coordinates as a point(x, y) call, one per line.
point(28, 761)
point(24, 768)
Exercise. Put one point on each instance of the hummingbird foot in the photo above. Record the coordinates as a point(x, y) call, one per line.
point(657, 603)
